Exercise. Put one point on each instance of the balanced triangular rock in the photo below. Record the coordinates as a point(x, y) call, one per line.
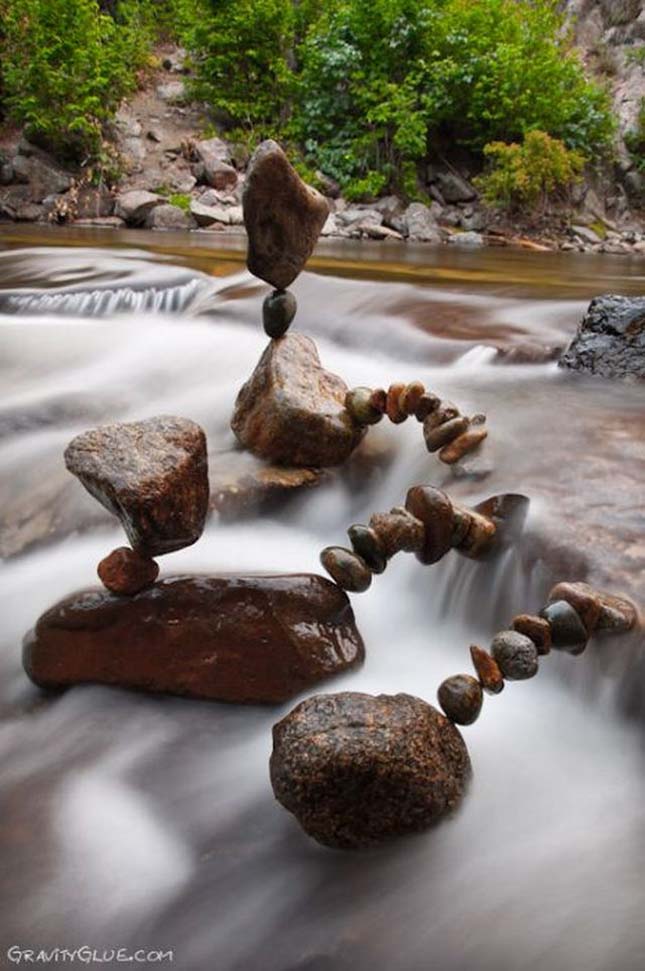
point(152, 474)
point(292, 411)
point(283, 217)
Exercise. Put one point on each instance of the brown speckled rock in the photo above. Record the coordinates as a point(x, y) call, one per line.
point(598, 610)
point(434, 508)
point(488, 670)
point(292, 411)
point(460, 697)
point(356, 770)
point(283, 216)
point(152, 474)
point(126, 572)
point(259, 639)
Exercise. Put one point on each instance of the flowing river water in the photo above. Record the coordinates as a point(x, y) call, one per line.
point(149, 822)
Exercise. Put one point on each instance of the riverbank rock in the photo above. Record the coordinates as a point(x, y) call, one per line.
point(135, 206)
point(610, 341)
point(256, 639)
point(292, 411)
point(167, 216)
point(283, 217)
point(152, 474)
point(356, 770)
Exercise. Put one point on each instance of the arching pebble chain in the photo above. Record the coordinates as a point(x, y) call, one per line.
point(445, 429)
point(429, 525)
point(573, 613)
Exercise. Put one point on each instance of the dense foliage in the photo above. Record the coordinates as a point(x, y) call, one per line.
point(531, 173)
point(65, 65)
point(364, 90)
point(369, 88)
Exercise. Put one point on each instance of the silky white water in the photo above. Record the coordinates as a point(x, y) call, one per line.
point(136, 821)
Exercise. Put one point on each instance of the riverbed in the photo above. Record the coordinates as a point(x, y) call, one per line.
point(149, 822)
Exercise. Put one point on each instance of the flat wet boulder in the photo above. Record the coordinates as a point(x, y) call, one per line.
point(610, 341)
point(255, 639)
point(292, 411)
point(356, 769)
point(152, 474)
point(283, 216)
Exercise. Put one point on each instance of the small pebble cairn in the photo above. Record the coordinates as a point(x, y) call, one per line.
point(429, 525)
point(445, 429)
point(573, 614)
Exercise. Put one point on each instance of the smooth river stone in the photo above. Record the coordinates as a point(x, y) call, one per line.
point(356, 770)
point(152, 474)
point(282, 214)
point(292, 411)
point(255, 639)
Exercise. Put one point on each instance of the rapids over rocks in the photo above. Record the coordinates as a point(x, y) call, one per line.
point(149, 822)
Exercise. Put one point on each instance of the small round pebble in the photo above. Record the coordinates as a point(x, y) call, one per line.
point(378, 400)
point(462, 445)
point(536, 628)
point(434, 509)
point(278, 310)
point(394, 409)
point(568, 633)
point(348, 570)
point(516, 655)
point(366, 545)
point(441, 435)
point(126, 572)
point(358, 402)
point(585, 602)
point(427, 404)
point(411, 397)
point(488, 670)
point(460, 697)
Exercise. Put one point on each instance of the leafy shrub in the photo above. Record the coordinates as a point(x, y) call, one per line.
point(65, 66)
point(181, 200)
point(635, 139)
point(240, 51)
point(532, 172)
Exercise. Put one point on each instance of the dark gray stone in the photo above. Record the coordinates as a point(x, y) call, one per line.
point(610, 341)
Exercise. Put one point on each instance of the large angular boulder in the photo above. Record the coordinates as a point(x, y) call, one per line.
point(356, 770)
point(283, 217)
point(610, 340)
point(292, 411)
point(259, 639)
point(152, 474)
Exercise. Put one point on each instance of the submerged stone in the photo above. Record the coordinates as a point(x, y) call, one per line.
point(516, 655)
point(283, 216)
point(356, 770)
point(256, 639)
point(460, 697)
point(292, 411)
point(152, 474)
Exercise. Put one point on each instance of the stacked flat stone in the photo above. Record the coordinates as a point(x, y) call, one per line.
point(573, 613)
point(153, 475)
point(429, 525)
point(283, 218)
point(445, 429)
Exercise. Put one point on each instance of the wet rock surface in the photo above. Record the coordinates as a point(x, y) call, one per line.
point(610, 341)
point(255, 639)
point(152, 474)
point(292, 411)
point(283, 217)
point(460, 697)
point(356, 769)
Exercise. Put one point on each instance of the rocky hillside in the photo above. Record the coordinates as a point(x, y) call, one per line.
point(172, 177)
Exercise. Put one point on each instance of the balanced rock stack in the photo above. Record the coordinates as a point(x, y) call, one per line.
point(429, 525)
point(153, 475)
point(253, 639)
point(283, 218)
